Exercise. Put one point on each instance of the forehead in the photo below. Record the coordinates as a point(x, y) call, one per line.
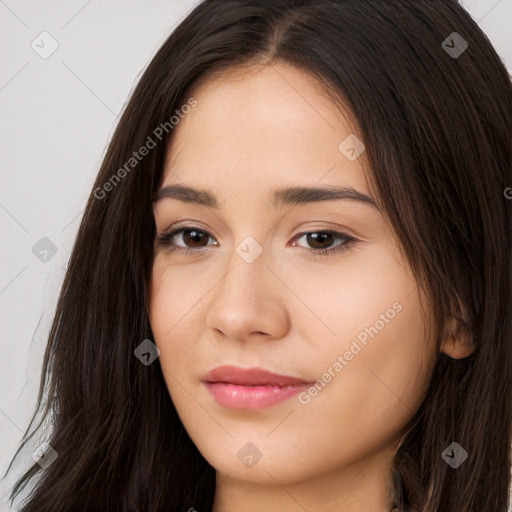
point(273, 125)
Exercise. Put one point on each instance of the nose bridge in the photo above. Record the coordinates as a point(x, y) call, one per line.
point(245, 279)
point(250, 253)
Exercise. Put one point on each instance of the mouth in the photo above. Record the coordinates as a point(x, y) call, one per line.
point(251, 388)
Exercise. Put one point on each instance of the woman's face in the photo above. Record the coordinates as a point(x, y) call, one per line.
point(253, 292)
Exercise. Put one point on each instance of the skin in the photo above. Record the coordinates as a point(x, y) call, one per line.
point(289, 311)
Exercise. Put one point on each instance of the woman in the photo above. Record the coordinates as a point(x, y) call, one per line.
point(291, 285)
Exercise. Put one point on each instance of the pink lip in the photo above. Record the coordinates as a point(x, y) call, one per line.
point(250, 388)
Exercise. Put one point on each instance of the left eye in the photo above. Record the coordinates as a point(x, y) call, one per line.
point(197, 238)
point(319, 239)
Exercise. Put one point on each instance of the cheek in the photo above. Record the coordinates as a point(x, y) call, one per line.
point(386, 365)
point(176, 317)
point(376, 374)
point(362, 400)
point(163, 314)
point(367, 344)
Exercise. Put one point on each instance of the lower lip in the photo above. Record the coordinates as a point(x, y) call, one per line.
point(251, 397)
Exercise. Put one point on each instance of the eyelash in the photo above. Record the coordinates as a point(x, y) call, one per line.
point(166, 238)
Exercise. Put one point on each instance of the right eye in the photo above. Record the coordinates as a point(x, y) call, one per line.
point(190, 235)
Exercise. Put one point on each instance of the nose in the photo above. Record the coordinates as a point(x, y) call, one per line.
point(249, 301)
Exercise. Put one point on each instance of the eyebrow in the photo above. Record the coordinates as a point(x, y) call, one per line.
point(285, 196)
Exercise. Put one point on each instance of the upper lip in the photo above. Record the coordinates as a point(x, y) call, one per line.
point(250, 377)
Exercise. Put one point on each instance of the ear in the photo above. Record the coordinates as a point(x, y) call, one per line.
point(457, 341)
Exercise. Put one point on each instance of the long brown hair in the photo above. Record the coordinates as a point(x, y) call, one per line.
point(433, 102)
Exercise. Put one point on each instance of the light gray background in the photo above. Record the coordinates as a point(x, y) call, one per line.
point(57, 116)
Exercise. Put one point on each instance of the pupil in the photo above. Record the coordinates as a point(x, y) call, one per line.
point(197, 236)
point(314, 237)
